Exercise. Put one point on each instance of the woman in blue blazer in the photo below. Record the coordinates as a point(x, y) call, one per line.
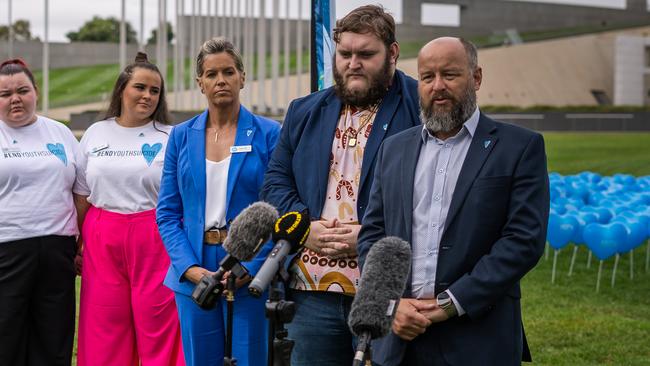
point(214, 168)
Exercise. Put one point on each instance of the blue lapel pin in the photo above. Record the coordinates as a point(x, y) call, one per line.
point(249, 132)
point(15, 142)
point(486, 143)
point(385, 126)
point(141, 134)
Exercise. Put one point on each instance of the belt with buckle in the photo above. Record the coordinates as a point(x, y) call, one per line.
point(215, 236)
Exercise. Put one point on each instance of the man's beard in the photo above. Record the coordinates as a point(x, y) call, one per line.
point(443, 121)
point(377, 88)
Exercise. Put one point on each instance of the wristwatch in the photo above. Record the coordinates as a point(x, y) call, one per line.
point(445, 302)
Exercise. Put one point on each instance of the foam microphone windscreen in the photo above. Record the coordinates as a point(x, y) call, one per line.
point(250, 230)
point(383, 281)
point(292, 227)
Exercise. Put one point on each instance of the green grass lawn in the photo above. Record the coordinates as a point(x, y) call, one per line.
point(568, 323)
point(87, 84)
point(604, 153)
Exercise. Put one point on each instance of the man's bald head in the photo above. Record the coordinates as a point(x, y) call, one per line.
point(452, 44)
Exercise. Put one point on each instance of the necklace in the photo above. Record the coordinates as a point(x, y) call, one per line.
point(352, 136)
point(216, 134)
point(223, 132)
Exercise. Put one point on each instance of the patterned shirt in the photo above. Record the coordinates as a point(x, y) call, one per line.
point(311, 271)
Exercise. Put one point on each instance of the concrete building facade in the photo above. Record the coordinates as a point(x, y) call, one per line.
point(485, 17)
point(632, 71)
point(420, 20)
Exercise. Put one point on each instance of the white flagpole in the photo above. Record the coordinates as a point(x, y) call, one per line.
point(141, 26)
point(261, 59)
point(123, 36)
point(46, 60)
point(287, 41)
point(275, 56)
point(10, 41)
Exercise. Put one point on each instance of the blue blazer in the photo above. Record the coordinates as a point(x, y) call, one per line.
point(298, 172)
point(181, 203)
point(494, 234)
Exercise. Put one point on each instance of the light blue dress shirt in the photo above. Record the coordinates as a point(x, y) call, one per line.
point(436, 174)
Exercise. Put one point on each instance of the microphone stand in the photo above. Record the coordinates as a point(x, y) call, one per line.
point(363, 353)
point(228, 360)
point(279, 312)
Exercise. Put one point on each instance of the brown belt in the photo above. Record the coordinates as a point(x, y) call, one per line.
point(215, 236)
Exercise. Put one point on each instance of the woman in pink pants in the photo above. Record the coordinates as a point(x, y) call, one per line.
point(127, 317)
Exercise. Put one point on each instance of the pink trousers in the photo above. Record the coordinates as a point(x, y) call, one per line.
point(126, 315)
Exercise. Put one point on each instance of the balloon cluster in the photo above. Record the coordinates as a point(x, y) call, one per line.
point(610, 215)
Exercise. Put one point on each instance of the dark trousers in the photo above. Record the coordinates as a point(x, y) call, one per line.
point(424, 350)
point(320, 329)
point(37, 301)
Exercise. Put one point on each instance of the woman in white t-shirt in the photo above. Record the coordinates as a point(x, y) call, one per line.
point(126, 315)
point(38, 226)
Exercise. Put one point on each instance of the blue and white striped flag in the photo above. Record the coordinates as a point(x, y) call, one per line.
point(323, 14)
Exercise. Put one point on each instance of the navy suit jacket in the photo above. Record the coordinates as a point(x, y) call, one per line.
point(494, 234)
point(181, 203)
point(297, 176)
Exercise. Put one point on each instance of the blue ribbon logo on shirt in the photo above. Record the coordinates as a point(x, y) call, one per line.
point(149, 152)
point(59, 151)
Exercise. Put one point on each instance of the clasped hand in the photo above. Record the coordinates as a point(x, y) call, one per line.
point(333, 238)
point(413, 316)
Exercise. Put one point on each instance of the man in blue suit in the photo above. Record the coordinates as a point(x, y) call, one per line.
point(471, 196)
point(323, 164)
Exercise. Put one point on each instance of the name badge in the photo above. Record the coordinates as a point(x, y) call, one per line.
point(241, 149)
point(99, 148)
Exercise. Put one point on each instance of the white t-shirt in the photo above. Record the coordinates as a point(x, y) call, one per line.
point(122, 166)
point(38, 165)
point(216, 185)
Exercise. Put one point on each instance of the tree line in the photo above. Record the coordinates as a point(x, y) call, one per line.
point(97, 29)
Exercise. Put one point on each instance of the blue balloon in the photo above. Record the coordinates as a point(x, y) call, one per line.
point(575, 202)
point(618, 208)
point(562, 201)
point(635, 216)
point(595, 197)
point(603, 239)
point(645, 196)
point(558, 209)
point(579, 190)
point(603, 214)
point(624, 179)
point(624, 196)
point(555, 192)
point(561, 229)
point(590, 177)
point(555, 176)
point(636, 234)
point(583, 219)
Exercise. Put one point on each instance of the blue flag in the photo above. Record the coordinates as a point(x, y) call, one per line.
point(323, 20)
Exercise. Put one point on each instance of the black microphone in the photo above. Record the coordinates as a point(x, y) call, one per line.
point(290, 233)
point(248, 232)
point(383, 280)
